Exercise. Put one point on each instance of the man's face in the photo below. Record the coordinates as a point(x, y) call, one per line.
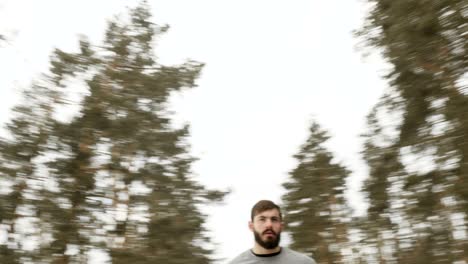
point(267, 227)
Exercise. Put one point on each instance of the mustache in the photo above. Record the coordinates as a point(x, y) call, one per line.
point(269, 230)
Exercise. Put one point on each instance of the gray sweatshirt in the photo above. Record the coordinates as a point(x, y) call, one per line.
point(285, 256)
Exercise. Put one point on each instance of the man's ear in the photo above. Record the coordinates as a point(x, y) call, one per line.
point(250, 225)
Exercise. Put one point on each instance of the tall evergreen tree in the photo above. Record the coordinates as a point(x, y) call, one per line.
point(425, 42)
point(314, 205)
point(117, 176)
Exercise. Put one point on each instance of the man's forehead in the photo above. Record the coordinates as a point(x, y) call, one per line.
point(268, 213)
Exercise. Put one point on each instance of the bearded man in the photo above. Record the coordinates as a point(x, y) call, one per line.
point(266, 225)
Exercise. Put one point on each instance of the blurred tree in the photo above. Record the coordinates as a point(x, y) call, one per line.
point(116, 177)
point(18, 196)
point(383, 189)
point(314, 205)
point(420, 178)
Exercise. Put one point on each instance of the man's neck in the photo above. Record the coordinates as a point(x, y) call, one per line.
point(259, 250)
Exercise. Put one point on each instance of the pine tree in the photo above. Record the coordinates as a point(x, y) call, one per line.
point(314, 205)
point(117, 176)
point(425, 42)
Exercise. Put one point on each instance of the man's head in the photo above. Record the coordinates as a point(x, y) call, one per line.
point(266, 224)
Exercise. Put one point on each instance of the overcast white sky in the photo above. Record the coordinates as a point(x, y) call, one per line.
point(271, 68)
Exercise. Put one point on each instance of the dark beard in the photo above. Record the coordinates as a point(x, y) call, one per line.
point(270, 243)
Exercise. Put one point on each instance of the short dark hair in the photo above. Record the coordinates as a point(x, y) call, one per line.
point(262, 206)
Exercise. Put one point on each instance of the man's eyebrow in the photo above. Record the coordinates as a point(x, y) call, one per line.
point(271, 217)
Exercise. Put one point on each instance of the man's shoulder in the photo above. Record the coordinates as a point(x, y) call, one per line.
point(299, 257)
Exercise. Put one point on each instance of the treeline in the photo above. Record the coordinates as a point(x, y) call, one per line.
point(116, 177)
